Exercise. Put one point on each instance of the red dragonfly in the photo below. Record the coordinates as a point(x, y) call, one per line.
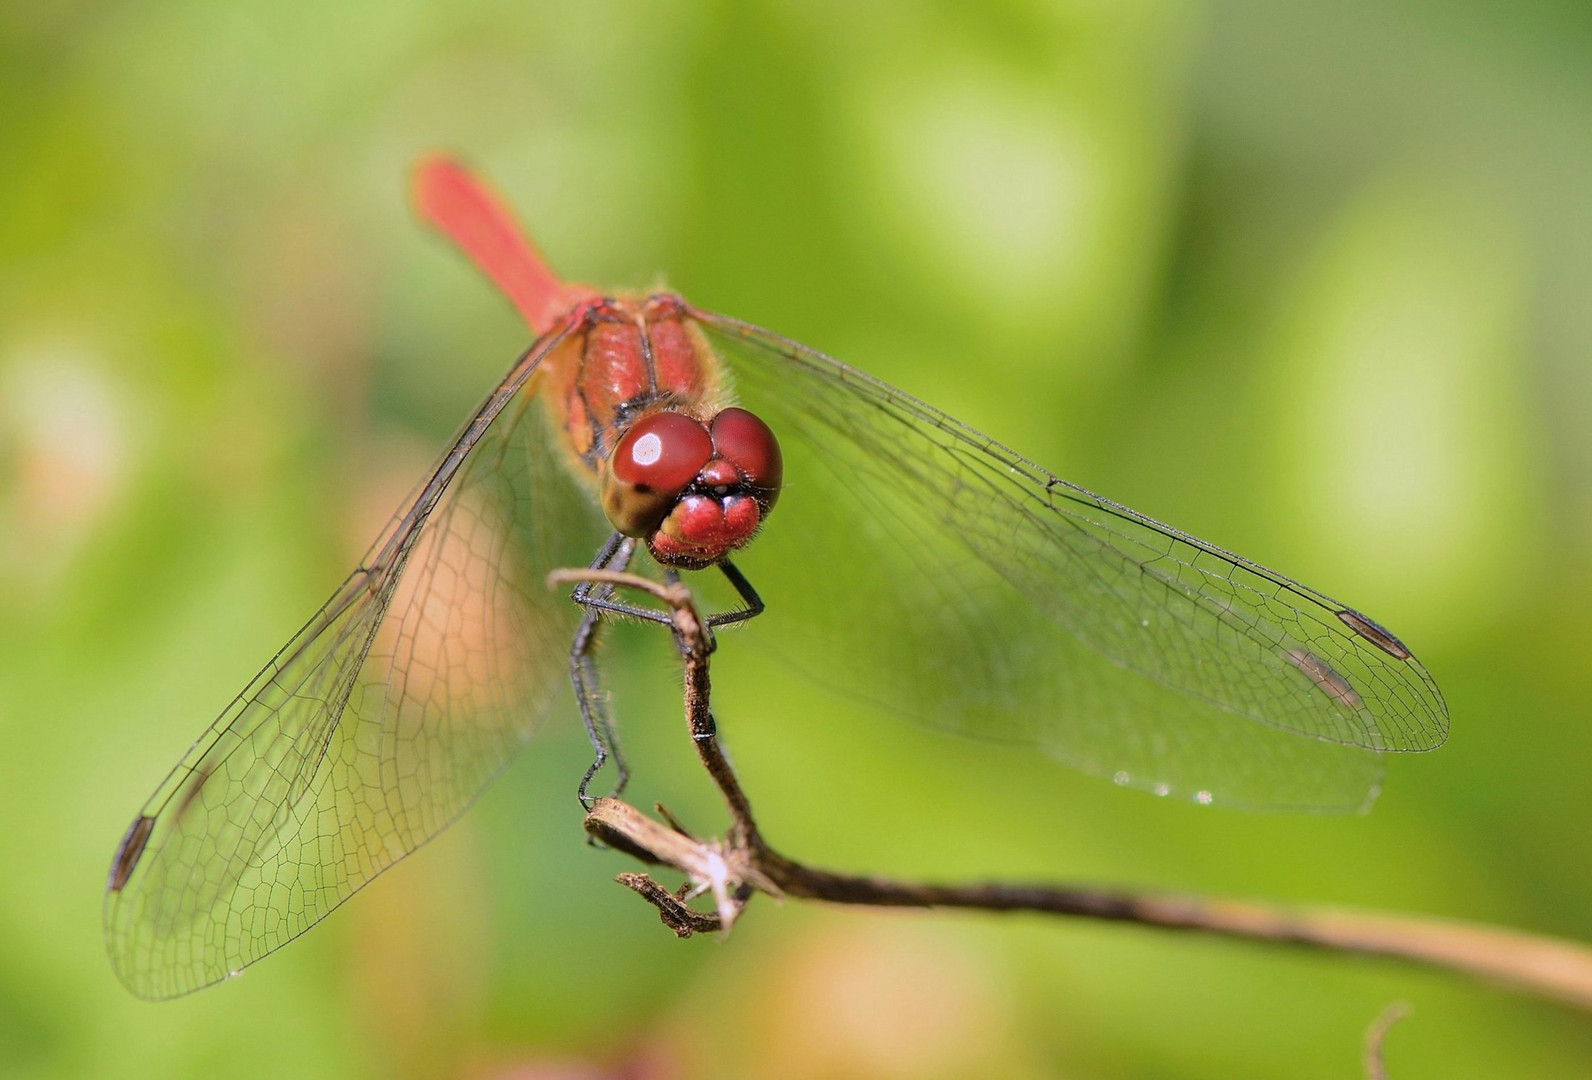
point(943, 577)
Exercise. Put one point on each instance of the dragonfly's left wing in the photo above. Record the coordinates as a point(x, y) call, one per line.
point(375, 726)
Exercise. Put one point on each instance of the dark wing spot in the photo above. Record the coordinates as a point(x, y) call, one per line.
point(129, 851)
point(1332, 684)
point(1375, 633)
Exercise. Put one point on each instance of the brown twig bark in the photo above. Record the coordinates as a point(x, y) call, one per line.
point(1376, 1035)
point(741, 863)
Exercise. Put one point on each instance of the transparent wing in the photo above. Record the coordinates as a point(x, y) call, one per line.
point(986, 596)
point(376, 725)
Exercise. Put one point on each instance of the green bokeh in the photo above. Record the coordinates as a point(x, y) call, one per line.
point(1309, 280)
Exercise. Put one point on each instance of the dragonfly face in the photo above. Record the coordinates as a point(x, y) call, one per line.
point(694, 491)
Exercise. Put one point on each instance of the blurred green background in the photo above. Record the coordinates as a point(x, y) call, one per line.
point(1309, 280)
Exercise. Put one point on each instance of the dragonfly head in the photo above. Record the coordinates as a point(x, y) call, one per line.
point(694, 491)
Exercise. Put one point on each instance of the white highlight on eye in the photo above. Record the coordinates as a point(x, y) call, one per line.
point(647, 449)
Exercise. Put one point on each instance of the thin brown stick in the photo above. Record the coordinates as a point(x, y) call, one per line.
point(743, 863)
point(1376, 1035)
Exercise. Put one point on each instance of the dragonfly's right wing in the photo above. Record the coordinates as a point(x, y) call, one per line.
point(997, 600)
point(376, 726)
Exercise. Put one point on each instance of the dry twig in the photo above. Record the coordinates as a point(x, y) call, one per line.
point(1376, 1034)
point(741, 864)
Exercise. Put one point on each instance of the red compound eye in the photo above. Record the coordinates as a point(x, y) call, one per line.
point(746, 442)
point(652, 464)
point(663, 452)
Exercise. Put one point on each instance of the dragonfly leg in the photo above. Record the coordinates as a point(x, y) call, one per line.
point(594, 596)
point(583, 674)
point(754, 603)
point(597, 598)
point(616, 554)
point(593, 702)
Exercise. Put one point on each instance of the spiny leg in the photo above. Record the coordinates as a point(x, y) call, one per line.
point(589, 695)
point(616, 554)
point(593, 703)
point(597, 598)
point(754, 603)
